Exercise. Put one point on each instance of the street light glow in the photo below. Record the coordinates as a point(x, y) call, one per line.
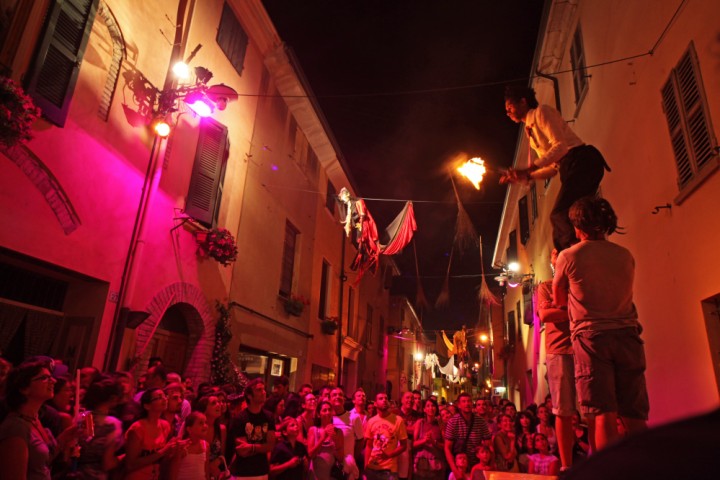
point(418, 356)
point(483, 338)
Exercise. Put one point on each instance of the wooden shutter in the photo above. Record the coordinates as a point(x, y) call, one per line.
point(524, 215)
point(205, 192)
point(232, 39)
point(56, 65)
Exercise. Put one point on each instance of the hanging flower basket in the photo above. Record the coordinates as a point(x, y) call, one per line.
point(329, 326)
point(218, 244)
point(17, 114)
point(295, 305)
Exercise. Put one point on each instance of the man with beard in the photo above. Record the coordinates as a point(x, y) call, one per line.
point(385, 440)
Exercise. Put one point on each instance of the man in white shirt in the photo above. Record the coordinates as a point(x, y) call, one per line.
point(558, 149)
point(352, 430)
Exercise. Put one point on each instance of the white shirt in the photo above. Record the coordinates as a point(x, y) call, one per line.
point(549, 135)
point(352, 429)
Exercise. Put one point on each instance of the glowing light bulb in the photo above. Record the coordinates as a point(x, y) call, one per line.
point(181, 70)
point(418, 356)
point(162, 129)
point(513, 267)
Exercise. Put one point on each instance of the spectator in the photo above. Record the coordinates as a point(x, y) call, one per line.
point(504, 442)
point(417, 402)
point(281, 387)
point(27, 448)
point(351, 427)
point(385, 440)
point(429, 445)
point(581, 445)
point(546, 429)
point(464, 433)
point(146, 443)
point(460, 472)
point(542, 462)
point(252, 435)
point(304, 389)
point(191, 462)
point(156, 377)
point(325, 444)
point(216, 433)
point(485, 463)
point(307, 419)
point(98, 452)
point(410, 416)
point(289, 457)
point(524, 430)
point(172, 413)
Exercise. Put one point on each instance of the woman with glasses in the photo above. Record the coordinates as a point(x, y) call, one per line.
point(27, 448)
point(146, 441)
point(307, 418)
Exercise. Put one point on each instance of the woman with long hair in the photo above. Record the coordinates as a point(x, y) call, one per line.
point(428, 444)
point(307, 418)
point(192, 462)
point(524, 430)
point(325, 444)
point(216, 434)
point(146, 441)
point(27, 448)
point(542, 462)
point(545, 428)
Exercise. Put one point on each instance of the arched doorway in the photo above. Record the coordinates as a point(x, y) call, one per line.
point(173, 341)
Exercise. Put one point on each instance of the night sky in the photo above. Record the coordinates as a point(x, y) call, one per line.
point(405, 86)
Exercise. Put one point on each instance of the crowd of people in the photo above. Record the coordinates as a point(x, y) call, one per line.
point(164, 427)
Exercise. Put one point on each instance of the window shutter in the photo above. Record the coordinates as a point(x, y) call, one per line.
point(677, 136)
point(205, 192)
point(56, 66)
point(683, 101)
point(523, 215)
point(232, 39)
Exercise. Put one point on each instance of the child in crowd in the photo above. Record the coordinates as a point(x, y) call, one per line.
point(542, 463)
point(486, 463)
point(461, 462)
point(191, 463)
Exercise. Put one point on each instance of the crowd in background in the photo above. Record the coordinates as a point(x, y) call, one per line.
point(160, 426)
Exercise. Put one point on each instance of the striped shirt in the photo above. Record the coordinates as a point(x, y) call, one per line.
point(456, 430)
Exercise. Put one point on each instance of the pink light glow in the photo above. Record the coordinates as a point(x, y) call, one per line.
point(201, 108)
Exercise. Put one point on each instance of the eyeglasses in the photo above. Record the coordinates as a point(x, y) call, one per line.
point(160, 397)
point(42, 378)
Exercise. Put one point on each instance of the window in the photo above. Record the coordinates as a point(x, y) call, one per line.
point(205, 192)
point(321, 376)
point(524, 218)
point(351, 327)
point(324, 290)
point(510, 328)
point(288, 259)
point(330, 199)
point(533, 201)
point(55, 69)
point(369, 326)
point(512, 250)
point(577, 61)
point(232, 39)
point(688, 119)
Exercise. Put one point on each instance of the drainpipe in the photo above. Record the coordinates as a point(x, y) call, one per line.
point(112, 352)
point(343, 278)
point(556, 87)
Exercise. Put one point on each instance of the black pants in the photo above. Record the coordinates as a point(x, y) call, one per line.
point(581, 171)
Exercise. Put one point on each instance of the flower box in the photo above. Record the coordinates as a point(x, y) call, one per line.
point(295, 305)
point(218, 244)
point(17, 114)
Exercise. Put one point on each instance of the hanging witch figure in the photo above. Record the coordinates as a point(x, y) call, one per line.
point(355, 217)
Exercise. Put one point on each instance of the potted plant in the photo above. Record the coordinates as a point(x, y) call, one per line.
point(295, 304)
point(17, 114)
point(329, 325)
point(218, 244)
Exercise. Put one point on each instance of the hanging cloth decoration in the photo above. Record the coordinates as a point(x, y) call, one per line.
point(444, 297)
point(357, 217)
point(465, 234)
point(485, 296)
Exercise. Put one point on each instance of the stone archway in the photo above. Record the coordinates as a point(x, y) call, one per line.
point(201, 325)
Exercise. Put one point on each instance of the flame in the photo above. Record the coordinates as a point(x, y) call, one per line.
point(474, 170)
